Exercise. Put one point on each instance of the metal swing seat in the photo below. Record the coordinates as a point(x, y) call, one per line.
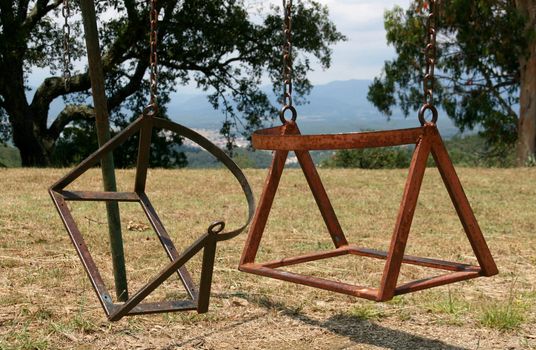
point(427, 140)
point(199, 297)
point(207, 242)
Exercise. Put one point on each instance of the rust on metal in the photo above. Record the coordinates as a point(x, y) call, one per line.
point(207, 242)
point(426, 139)
point(429, 142)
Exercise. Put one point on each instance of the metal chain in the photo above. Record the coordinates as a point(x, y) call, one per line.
point(287, 64)
point(430, 53)
point(152, 109)
point(66, 12)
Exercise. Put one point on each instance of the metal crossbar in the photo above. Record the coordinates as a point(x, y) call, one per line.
point(427, 141)
point(207, 242)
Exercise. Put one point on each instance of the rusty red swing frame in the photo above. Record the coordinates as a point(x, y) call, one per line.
point(426, 139)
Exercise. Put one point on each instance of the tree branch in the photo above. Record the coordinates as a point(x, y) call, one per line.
point(69, 114)
point(54, 87)
point(39, 11)
point(6, 13)
point(130, 88)
point(130, 5)
point(121, 48)
point(22, 9)
point(495, 92)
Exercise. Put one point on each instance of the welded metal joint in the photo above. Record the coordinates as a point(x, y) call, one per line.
point(199, 296)
point(427, 140)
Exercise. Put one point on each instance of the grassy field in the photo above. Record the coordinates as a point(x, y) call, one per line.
point(46, 301)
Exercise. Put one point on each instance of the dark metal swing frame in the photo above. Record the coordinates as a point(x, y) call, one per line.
point(199, 297)
point(144, 125)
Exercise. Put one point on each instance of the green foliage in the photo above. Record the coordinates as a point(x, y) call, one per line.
point(474, 151)
point(76, 143)
point(367, 312)
point(504, 317)
point(531, 162)
point(452, 307)
point(480, 44)
point(79, 140)
point(9, 157)
point(507, 315)
point(469, 151)
point(198, 158)
point(245, 159)
point(25, 339)
point(213, 44)
point(371, 158)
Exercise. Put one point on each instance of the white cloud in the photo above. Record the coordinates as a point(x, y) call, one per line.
point(357, 12)
point(363, 55)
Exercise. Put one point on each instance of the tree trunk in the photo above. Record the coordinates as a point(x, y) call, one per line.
point(29, 135)
point(35, 149)
point(28, 124)
point(526, 147)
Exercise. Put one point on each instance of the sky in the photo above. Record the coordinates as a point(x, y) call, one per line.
point(361, 57)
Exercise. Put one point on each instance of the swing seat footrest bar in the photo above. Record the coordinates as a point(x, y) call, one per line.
point(414, 260)
point(354, 250)
point(99, 196)
point(311, 281)
point(458, 272)
point(436, 281)
point(307, 257)
point(159, 307)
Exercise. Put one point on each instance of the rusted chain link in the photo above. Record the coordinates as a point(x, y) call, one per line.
point(152, 109)
point(66, 12)
point(287, 64)
point(430, 53)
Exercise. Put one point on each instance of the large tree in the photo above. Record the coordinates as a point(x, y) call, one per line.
point(214, 43)
point(486, 68)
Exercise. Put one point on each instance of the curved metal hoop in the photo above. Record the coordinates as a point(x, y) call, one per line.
point(221, 156)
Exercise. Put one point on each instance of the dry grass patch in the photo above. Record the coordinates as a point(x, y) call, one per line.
point(46, 301)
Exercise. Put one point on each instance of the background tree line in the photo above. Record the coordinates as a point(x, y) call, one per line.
point(486, 69)
point(214, 44)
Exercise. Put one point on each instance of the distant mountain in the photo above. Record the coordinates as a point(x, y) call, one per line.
point(339, 106)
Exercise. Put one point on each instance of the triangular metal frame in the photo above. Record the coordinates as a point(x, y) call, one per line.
point(427, 140)
point(200, 297)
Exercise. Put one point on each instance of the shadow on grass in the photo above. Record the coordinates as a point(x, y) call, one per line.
point(198, 341)
point(358, 330)
point(362, 331)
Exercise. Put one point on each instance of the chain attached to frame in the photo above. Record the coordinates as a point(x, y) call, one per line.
point(287, 64)
point(66, 13)
point(430, 53)
point(152, 108)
